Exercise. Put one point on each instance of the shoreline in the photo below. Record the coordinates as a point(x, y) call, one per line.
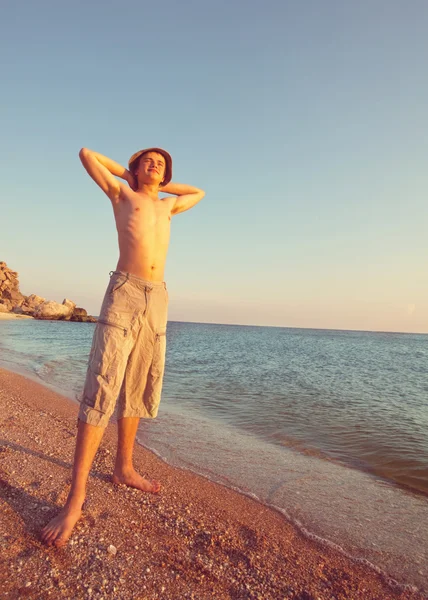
point(6, 316)
point(196, 539)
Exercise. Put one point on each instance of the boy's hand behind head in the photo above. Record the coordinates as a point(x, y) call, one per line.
point(132, 181)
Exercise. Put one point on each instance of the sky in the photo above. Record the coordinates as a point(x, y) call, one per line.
point(305, 123)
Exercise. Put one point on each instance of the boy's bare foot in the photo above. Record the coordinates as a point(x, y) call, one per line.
point(58, 530)
point(131, 478)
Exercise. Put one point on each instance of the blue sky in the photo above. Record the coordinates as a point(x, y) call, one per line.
point(304, 122)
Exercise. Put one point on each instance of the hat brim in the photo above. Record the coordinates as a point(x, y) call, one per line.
point(165, 154)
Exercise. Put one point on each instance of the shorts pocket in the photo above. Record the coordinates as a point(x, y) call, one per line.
point(118, 283)
point(159, 350)
point(118, 304)
point(109, 348)
point(109, 324)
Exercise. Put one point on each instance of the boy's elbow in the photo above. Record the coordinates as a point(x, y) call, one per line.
point(84, 153)
point(85, 156)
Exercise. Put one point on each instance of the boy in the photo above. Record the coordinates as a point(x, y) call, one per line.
point(128, 349)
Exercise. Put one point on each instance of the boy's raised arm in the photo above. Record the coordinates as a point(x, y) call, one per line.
point(104, 171)
point(187, 196)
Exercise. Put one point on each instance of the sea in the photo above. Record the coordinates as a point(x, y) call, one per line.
point(330, 428)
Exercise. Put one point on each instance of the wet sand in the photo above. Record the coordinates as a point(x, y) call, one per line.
point(196, 539)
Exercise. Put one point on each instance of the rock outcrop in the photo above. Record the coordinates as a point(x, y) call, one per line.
point(52, 310)
point(11, 300)
point(10, 296)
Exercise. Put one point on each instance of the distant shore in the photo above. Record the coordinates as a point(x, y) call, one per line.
point(196, 539)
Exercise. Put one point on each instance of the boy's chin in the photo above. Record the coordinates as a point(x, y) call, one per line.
point(151, 181)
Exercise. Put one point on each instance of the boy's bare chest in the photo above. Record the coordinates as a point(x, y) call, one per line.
point(144, 215)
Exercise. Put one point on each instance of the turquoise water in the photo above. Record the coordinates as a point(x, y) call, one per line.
point(330, 427)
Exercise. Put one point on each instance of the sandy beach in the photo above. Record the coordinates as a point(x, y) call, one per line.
point(7, 316)
point(196, 539)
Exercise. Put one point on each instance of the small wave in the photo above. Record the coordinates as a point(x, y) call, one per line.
point(389, 580)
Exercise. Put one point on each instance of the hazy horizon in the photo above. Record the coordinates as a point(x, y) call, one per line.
point(174, 315)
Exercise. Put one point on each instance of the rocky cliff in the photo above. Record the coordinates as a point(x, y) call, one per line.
point(11, 300)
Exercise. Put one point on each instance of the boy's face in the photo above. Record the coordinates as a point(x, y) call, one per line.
point(151, 168)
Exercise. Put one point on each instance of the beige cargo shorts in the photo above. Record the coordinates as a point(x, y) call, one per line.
point(127, 358)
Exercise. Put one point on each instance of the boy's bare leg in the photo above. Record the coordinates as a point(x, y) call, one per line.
point(124, 471)
point(57, 531)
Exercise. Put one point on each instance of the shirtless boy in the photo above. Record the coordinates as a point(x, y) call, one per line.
point(128, 349)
